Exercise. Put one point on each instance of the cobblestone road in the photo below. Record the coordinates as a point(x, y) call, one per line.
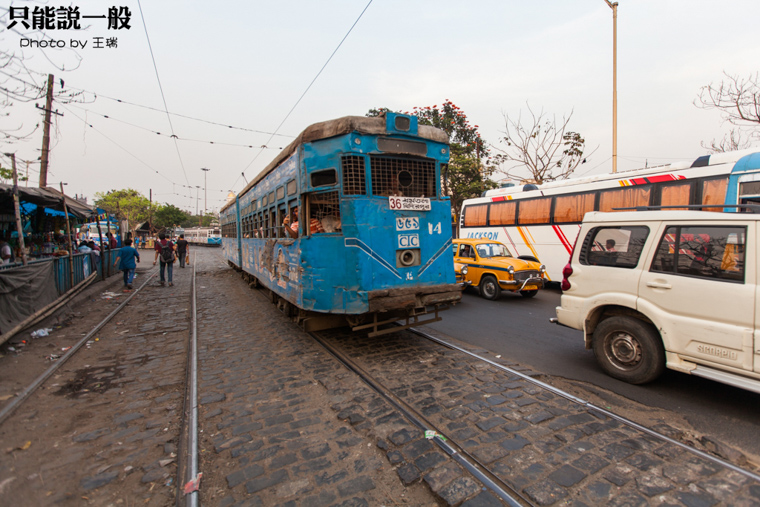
point(284, 424)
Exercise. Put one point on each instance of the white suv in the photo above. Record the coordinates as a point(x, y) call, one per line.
point(667, 289)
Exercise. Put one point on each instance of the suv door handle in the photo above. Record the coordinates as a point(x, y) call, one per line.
point(659, 285)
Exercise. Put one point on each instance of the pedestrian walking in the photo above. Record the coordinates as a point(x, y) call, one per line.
point(165, 253)
point(128, 259)
point(182, 250)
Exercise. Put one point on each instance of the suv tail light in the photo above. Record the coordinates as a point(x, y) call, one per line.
point(566, 272)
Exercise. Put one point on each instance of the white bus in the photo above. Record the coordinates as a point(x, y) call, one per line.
point(542, 222)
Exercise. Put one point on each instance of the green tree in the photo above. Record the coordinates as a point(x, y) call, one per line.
point(127, 205)
point(169, 215)
point(204, 220)
point(469, 165)
point(7, 174)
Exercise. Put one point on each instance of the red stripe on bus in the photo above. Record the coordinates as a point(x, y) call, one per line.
point(639, 181)
point(661, 178)
point(562, 238)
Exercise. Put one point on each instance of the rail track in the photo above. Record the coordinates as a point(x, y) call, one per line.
point(46, 413)
point(600, 434)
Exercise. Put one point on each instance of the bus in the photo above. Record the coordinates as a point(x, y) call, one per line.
point(541, 222)
point(89, 232)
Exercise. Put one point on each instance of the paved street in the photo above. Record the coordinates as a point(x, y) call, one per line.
point(283, 423)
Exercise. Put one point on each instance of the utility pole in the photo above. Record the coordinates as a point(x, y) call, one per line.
point(17, 210)
point(46, 133)
point(614, 6)
point(205, 188)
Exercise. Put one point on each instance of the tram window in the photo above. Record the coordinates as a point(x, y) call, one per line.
point(324, 178)
point(272, 223)
point(353, 175)
point(571, 208)
point(263, 201)
point(292, 187)
point(624, 198)
point(280, 192)
point(535, 211)
point(281, 214)
point(265, 227)
point(675, 195)
point(404, 177)
point(271, 198)
point(714, 191)
point(502, 213)
point(324, 213)
point(475, 216)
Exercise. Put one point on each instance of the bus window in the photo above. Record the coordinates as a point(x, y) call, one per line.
point(535, 211)
point(475, 216)
point(572, 208)
point(624, 198)
point(714, 191)
point(674, 195)
point(353, 175)
point(502, 213)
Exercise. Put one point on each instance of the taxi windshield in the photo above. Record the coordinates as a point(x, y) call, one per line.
point(488, 250)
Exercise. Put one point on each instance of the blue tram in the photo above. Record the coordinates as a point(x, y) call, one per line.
point(348, 225)
point(209, 236)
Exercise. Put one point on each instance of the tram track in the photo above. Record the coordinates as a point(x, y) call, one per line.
point(591, 407)
point(511, 497)
point(113, 407)
point(553, 428)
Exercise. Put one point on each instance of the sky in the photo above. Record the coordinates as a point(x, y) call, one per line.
point(242, 79)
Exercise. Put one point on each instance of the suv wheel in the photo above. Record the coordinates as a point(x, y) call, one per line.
point(629, 349)
point(489, 287)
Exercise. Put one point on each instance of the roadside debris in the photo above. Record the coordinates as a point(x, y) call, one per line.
point(41, 332)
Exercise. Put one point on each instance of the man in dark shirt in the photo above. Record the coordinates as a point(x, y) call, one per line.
point(182, 250)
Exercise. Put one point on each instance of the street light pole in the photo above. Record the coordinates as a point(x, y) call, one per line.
point(205, 173)
point(197, 189)
point(614, 6)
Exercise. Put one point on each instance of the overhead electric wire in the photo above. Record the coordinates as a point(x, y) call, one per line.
point(110, 117)
point(242, 174)
point(161, 88)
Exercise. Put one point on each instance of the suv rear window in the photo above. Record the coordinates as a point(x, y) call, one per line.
point(618, 247)
point(714, 252)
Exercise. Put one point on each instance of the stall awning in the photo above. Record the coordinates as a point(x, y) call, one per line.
point(45, 197)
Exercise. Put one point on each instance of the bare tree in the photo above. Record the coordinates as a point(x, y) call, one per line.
point(542, 146)
point(19, 83)
point(734, 140)
point(738, 99)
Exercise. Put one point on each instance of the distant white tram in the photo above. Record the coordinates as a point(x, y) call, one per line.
point(211, 236)
point(542, 222)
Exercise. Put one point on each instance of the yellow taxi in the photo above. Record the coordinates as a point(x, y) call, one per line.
point(490, 266)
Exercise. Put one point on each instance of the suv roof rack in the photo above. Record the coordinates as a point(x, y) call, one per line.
point(751, 207)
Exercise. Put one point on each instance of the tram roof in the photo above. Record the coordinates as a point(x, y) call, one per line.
point(331, 128)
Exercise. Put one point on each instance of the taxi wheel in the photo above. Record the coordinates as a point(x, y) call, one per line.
point(489, 287)
point(528, 293)
point(629, 349)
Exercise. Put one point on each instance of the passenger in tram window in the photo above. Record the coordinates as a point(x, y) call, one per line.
point(291, 226)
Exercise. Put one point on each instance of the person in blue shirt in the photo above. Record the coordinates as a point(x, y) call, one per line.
point(128, 258)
